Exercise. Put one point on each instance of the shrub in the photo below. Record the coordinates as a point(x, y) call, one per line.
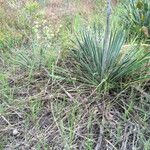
point(120, 65)
point(136, 18)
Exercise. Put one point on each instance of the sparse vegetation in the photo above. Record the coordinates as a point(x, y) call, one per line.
point(66, 82)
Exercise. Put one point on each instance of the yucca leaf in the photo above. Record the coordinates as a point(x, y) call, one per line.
point(89, 54)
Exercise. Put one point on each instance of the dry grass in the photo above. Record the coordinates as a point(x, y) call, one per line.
point(57, 9)
point(41, 110)
point(45, 113)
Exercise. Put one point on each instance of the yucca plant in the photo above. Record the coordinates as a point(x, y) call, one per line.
point(100, 59)
point(96, 66)
point(136, 19)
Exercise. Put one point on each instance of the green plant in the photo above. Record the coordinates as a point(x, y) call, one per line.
point(5, 92)
point(35, 107)
point(136, 19)
point(97, 66)
point(36, 55)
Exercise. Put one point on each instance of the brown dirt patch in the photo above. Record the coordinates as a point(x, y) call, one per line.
point(56, 9)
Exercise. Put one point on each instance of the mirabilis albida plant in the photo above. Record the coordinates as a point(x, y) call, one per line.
point(99, 57)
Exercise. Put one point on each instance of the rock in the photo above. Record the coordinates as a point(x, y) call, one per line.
point(15, 132)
